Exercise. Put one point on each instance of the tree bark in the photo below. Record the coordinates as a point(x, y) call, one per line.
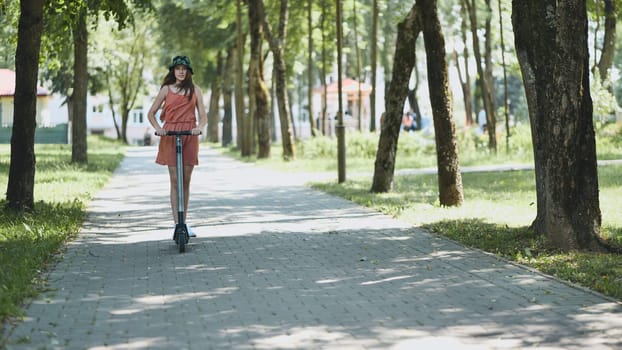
point(609, 41)
point(259, 92)
point(449, 177)
point(80, 89)
point(277, 46)
point(466, 82)
point(374, 66)
point(213, 114)
point(227, 88)
point(487, 96)
point(359, 78)
point(310, 79)
point(412, 94)
point(551, 43)
point(384, 166)
point(21, 182)
point(241, 117)
point(506, 107)
point(323, 116)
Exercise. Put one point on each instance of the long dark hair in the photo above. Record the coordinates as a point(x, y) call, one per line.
point(187, 86)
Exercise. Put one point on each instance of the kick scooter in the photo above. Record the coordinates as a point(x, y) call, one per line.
point(180, 234)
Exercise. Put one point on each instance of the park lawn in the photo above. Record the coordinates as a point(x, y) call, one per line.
point(30, 241)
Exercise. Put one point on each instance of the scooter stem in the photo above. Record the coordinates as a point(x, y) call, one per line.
point(180, 179)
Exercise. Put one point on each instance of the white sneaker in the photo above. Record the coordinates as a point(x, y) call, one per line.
point(190, 231)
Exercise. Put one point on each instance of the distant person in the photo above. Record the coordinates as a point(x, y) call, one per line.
point(481, 119)
point(182, 101)
point(147, 137)
point(408, 122)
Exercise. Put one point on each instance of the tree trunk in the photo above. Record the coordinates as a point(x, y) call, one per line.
point(609, 42)
point(277, 46)
point(374, 65)
point(310, 65)
point(259, 92)
point(213, 113)
point(273, 105)
point(227, 84)
point(506, 108)
point(240, 107)
point(80, 86)
point(412, 94)
point(359, 78)
point(322, 122)
point(483, 81)
point(553, 56)
point(111, 104)
point(21, 182)
point(130, 81)
point(491, 110)
point(384, 166)
point(449, 177)
point(465, 82)
point(125, 116)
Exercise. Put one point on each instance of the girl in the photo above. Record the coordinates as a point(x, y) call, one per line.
point(183, 101)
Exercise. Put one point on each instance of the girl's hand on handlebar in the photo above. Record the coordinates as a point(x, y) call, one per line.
point(196, 131)
point(160, 132)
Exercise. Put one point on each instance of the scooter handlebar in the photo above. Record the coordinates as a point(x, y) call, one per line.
point(180, 132)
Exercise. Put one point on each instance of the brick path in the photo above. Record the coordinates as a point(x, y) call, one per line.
point(280, 266)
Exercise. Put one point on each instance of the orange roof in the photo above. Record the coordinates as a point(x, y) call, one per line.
point(7, 84)
point(347, 85)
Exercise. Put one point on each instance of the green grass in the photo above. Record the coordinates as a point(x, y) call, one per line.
point(417, 150)
point(29, 241)
point(498, 207)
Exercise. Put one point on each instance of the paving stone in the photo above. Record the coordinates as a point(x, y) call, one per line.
point(277, 265)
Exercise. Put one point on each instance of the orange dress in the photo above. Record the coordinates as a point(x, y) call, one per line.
point(179, 114)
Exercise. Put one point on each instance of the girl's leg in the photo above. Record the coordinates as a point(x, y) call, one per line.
point(187, 176)
point(172, 173)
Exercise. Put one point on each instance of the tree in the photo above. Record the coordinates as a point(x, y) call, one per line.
point(384, 166)
point(258, 106)
point(609, 40)
point(310, 68)
point(551, 43)
point(76, 16)
point(412, 94)
point(449, 177)
point(465, 80)
point(80, 86)
point(374, 66)
point(324, 19)
point(213, 114)
point(505, 80)
point(227, 92)
point(243, 122)
point(20, 187)
point(277, 46)
point(359, 78)
point(484, 77)
point(124, 55)
point(310, 78)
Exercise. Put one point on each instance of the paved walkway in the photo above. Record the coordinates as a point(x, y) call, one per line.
point(280, 266)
